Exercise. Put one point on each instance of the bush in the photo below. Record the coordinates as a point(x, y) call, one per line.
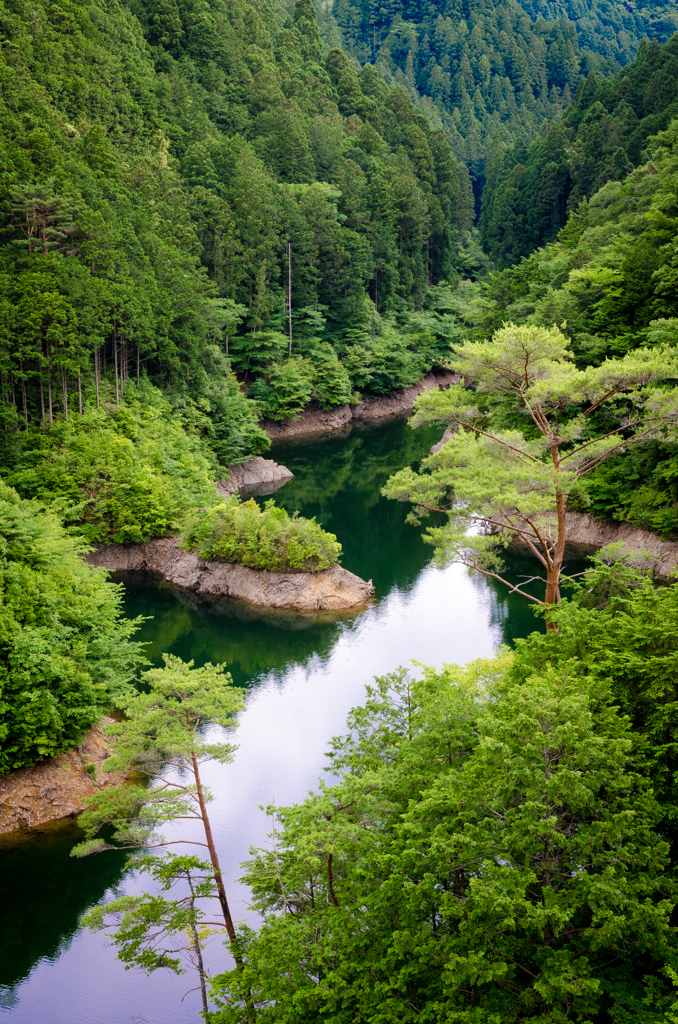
point(240, 532)
point(288, 391)
point(65, 650)
point(232, 431)
point(331, 380)
point(121, 474)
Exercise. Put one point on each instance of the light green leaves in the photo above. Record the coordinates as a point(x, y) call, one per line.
point(268, 538)
point(495, 483)
point(165, 724)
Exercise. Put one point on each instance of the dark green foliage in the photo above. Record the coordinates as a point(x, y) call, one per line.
point(531, 190)
point(489, 853)
point(65, 652)
point(621, 632)
point(611, 280)
point(640, 487)
point(611, 276)
point(487, 72)
point(268, 538)
point(147, 202)
point(613, 29)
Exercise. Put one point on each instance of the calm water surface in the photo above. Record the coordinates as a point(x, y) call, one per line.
point(301, 677)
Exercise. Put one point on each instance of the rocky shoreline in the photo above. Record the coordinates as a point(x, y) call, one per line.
point(335, 589)
point(319, 421)
point(587, 534)
point(55, 788)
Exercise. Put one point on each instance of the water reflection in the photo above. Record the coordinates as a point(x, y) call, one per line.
point(43, 894)
point(302, 677)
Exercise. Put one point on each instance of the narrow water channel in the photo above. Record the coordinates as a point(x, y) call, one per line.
point(301, 677)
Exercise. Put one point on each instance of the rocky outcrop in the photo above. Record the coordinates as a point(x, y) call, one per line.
point(443, 440)
point(254, 478)
point(56, 787)
point(586, 534)
point(318, 421)
point(334, 589)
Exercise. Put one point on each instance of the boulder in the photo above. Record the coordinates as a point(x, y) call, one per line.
point(254, 478)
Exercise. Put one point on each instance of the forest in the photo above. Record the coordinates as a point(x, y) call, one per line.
point(215, 215)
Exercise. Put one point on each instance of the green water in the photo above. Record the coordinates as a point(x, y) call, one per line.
point(301, 674)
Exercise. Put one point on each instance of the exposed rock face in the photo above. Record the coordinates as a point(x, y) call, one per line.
point(586, 534)
point(317, 421)
point(335, 589)
point(313, 421)
point(56, 787)
point(443, 440)
point(254, 478)
point(403, 401)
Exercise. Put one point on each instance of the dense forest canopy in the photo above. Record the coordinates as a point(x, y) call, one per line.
point(610, 28)
point(214, 212)
point(493, 73)
point(531, 190)
point(149, 197)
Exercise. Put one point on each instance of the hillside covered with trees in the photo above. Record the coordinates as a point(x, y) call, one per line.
point(215, 213)
point(531, 190)
point(493, 73)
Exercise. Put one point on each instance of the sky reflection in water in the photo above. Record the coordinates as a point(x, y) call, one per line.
point(302, 677)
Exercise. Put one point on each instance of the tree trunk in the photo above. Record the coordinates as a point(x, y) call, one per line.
point(289, 289)
point(555, 568)
point(23, 392)
point(198, 953)
point(228, 920)
point(115, 363)
point(226, 910)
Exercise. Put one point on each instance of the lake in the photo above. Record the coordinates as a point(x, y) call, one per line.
point(301, 676)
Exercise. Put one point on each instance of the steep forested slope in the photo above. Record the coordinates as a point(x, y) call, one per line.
point(154, 172)
point(494, 72)
point(531, 190)
point(611, 280)
point(611, 28)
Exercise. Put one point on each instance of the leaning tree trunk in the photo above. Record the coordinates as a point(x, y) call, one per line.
point(554, 570)
point(221, 890)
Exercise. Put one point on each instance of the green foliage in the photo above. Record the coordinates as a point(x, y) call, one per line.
point(270, 539)
point(331, 381)
point(162, 738)
point(531, 190)
point(288, 391)
point(66, 654)
point(155, 163)
point(122, 474)
point(228, 425)
point(161, 728)
point(562, 424)
point(492, 73)
point(488, 853)
point(609, 280)
point(640, 487)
